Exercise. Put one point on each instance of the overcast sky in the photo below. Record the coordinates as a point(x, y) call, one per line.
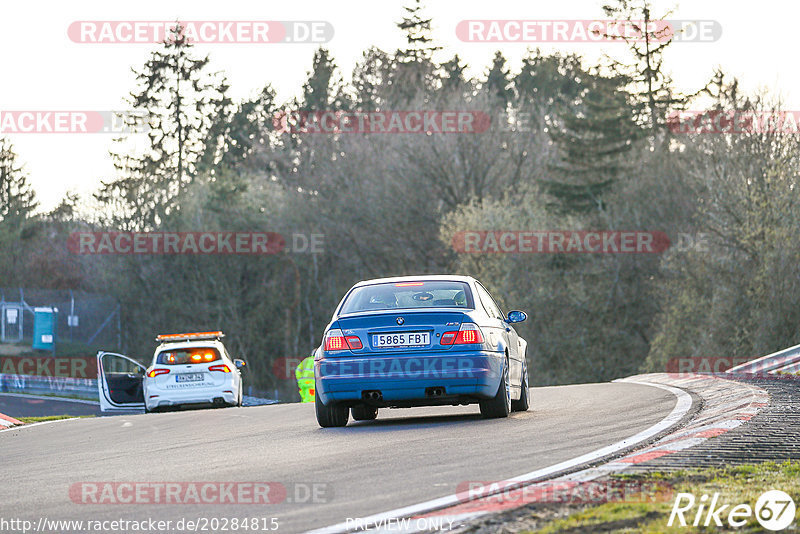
point(43, 70)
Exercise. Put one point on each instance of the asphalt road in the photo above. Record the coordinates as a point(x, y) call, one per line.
point(402, 458)
point(27, 406)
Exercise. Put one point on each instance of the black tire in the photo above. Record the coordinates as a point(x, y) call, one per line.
point(362, 412)
point(499, 405)
point(524, 401)
point(331, 415)
point(239, 400)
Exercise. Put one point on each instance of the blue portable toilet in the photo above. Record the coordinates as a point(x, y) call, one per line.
point(44, 328)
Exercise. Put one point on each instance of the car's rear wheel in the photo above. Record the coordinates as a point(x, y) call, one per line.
point(524, 401)
point(331, 415)
point(500, 404)
point(362, 412)
point(239, 400)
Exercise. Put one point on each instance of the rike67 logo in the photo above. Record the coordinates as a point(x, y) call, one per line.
point(774, 510)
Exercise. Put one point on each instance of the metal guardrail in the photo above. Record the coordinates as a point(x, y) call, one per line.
point(84, 388)
point(786, 360)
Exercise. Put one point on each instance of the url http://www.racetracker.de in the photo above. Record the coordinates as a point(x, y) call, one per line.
point(141, 526)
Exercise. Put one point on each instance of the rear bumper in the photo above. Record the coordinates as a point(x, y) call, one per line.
point(159, 397)
point(403, 379)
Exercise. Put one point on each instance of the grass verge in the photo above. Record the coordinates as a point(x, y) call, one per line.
point(49, 418)
point(735, 485)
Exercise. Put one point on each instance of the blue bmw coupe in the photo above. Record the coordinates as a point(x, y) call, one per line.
point(419, 341)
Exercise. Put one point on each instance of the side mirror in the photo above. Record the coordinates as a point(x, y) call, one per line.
point(516, 316)
point(239, 363)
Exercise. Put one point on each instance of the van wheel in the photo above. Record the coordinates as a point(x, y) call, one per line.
point(331, 415)
point(362, 412)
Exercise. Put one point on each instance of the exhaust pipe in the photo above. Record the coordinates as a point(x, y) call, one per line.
point(372, 395)
point(434, 392)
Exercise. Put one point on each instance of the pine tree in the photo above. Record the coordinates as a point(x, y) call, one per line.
point(545, 80)
point(418, 35)
point(498, 84)
point(238, 136)
point(453, 78)
point(593, 139)
point(320, 88)
point(181, 99)
point(370, 78)
point(17, 198)
point(413, 70)
point(649, 82)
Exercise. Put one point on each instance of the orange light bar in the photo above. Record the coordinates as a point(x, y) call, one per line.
point(409, 284)
point(190, 335)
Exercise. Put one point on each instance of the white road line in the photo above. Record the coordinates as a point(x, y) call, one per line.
point(31, 425)
point(682, 407)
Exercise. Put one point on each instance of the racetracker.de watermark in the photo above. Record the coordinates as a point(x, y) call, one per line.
point(565, 492)
point(411, 368)
point(199, 492)
point(382, 122)
point(203, 243)
point(733, 122)
point(587, 31)
point(559, 242)
point(200, 31)
point(61, 367)
point(771, 368)
point(73, 122)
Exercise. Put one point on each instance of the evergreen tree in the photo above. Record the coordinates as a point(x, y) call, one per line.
point(371, 76)
point(239, 136)
point(453, 78)
point(545, 80)
point(181, 99)
point(17, 198)
point(319, 89)
point(418, 35)
point(413, 70)
point(593, 139)
point(498, 84)
point(649, 82)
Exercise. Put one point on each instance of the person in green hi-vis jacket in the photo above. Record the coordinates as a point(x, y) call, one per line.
point(305, 379)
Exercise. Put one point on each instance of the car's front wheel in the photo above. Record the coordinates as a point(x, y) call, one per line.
point(500, 404)
point(331, 415)
point(363, 412)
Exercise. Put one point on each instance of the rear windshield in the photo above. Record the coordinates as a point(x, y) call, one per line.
point(190, 355)
point(408, 295)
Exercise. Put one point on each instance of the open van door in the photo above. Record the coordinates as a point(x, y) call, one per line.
point(120, 382)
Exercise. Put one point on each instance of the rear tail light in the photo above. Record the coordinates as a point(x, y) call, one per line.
point(155, 372)
point(335, 340)
point(448, 338)
point(469, 333)
point(221, 368)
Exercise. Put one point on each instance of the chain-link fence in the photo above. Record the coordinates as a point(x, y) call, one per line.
point(84, 321)
point(49, 339)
